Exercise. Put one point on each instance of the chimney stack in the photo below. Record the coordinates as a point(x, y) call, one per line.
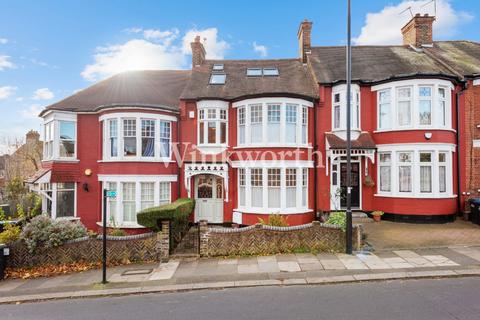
point(32, 136)
point(418, 31)
point(198, 52)
point(304, 39)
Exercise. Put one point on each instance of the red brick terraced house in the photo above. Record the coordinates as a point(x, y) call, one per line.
point(247, 138)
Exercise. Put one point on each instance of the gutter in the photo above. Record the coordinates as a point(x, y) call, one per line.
point(457, 110)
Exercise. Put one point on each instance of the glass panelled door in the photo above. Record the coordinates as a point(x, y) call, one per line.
point(209, 198)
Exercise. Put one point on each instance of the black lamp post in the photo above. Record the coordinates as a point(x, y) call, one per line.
point(349, 138)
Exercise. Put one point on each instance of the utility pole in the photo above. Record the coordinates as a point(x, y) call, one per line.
point(349, 228)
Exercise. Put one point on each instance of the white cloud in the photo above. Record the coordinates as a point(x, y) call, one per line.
point(384, 27)
point(156, 49)
point(5, 63)
point(260, 49)
point(3, 41)
point(43, 94)
point(6, 91)
point(215, 48)
point(31, 112)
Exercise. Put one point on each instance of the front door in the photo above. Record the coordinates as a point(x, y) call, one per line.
point(209, 198)
point(355, 179)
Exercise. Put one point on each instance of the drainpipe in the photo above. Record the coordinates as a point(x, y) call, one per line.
point(457, 110)
point(179, 152)
point(315, 160)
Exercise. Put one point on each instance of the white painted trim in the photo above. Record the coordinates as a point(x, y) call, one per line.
point(401, 83)
point(476, 82)
point(416, 146)
point(342, 90)
point(419, 196)
point(136, 178)
point(272, 100)
point(476, 143)
point(54, 118)
point(267, 211)
point(144, 115)
point(272, 164)
point(216, 104)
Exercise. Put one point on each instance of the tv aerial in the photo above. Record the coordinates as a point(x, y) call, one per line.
point(407, 9)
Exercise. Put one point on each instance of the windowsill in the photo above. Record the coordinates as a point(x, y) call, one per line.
point(61, 160)
point(212, 149)
point(273, 211)
point(270, 145)
point(415, 129)
point(123, 225)
point(412, 195)
point(135, 159)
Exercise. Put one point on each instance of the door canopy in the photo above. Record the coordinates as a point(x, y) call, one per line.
point(218, 169)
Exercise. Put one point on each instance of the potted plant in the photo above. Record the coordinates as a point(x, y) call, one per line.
point(377, 215)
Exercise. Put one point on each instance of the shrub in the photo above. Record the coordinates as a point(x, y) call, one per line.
point(42, 231)
point(177, 212)
point(377, 213)
point(10, 233)
point(276, 220)
point(338, 219)
point(117, 232)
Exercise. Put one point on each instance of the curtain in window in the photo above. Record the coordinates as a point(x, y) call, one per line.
point(164, 193)
point(65, 200)
point(112, 202)
point(129, 210)
point(165, 139)
point(256, 178)
point(442, 178)
point(425, 179)
point(405, 179)
point(113, 128)
point(147, 190)
point(385, 178)
point(291, 124)
point(273, 188)
point(291, 187)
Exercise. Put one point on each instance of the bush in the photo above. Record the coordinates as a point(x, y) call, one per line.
point(276, 220)
point(42, 231)
point(10, 233)
point(177, 212)
point(377, 213)
point(117, 232)
point(338, 219)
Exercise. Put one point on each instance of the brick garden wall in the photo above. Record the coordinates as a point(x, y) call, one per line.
point(261, 239)
point(135, 248)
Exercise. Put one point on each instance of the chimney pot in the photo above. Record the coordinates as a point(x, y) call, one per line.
point(418, 31)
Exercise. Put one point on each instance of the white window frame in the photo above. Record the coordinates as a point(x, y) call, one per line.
point(220, 108)
point(54, 199)
point(138, 180)
point(301, 205)
point(138, 117)
point(415, 149)
point(52, 122)
point(355, 114)
point(415, 84)
point(301, 141)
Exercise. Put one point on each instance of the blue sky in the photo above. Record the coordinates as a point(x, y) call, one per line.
point(50, 49)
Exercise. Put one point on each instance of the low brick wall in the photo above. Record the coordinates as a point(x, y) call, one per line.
point(261, 239)
point(132, 248)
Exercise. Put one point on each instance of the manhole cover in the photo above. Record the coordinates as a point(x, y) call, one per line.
point(136, 272)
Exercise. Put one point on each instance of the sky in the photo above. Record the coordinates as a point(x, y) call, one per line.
point(51, 49)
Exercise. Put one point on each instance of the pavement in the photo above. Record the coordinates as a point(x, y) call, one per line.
point(285, 269)
point(425, 299)
point(388, 235)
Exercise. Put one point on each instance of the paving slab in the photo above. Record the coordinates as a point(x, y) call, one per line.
point(351, 262)
point(311, 266)
point(470, 252)
point(397, 263)
point(332, 264)
point(373, 262)
point(306, 258)
point(227, 261)
point(270, 267)
point(289, 266)
point(440, 261)
point(164, 271)
point(247, 268)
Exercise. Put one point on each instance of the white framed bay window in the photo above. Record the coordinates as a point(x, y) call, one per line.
point(273, 186)
point(60, 136)
point(137, 137)
point(212, 124)
point(339, 107)
point(414, 105)
point(277, 122)
point(415, 170)
point(135, 193)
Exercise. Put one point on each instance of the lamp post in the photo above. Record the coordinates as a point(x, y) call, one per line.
point(349, 138)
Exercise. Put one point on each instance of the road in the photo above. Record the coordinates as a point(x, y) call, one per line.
point(413, 300)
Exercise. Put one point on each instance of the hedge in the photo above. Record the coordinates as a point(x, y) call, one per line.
point(175, 212)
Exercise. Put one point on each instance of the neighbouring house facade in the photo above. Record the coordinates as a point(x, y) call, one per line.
point(248, 138)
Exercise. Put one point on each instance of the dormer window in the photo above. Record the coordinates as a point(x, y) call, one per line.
point(217, 67)
point(218, 78)
point(254, 72)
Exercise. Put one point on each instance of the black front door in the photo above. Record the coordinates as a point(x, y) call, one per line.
point(355, 179)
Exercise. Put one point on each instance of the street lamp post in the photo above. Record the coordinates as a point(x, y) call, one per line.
point(349, 139)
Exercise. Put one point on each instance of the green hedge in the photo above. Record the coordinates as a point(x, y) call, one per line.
point(175, 212)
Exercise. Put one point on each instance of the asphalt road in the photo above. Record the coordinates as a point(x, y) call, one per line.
point(412, 300)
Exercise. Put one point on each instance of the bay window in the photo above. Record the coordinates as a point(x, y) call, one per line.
point(137, 137)
point(269, 190)
point(212, 125)
point(135, 193)
point(339, 107)
point(272, 122)
point(60, 136)
point(58, 199)
point(415, 173)
point(416, 104)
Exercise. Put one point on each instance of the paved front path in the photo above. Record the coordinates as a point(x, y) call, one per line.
point(264, 270)
point(393, 235)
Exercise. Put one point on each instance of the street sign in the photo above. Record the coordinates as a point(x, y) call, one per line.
point(111, 194)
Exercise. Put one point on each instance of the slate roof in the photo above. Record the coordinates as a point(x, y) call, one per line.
point(378, 63)
point(148, 88)
point(364, 141)
point(294, 79)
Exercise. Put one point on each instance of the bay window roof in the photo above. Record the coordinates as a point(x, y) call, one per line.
point(364, 141)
